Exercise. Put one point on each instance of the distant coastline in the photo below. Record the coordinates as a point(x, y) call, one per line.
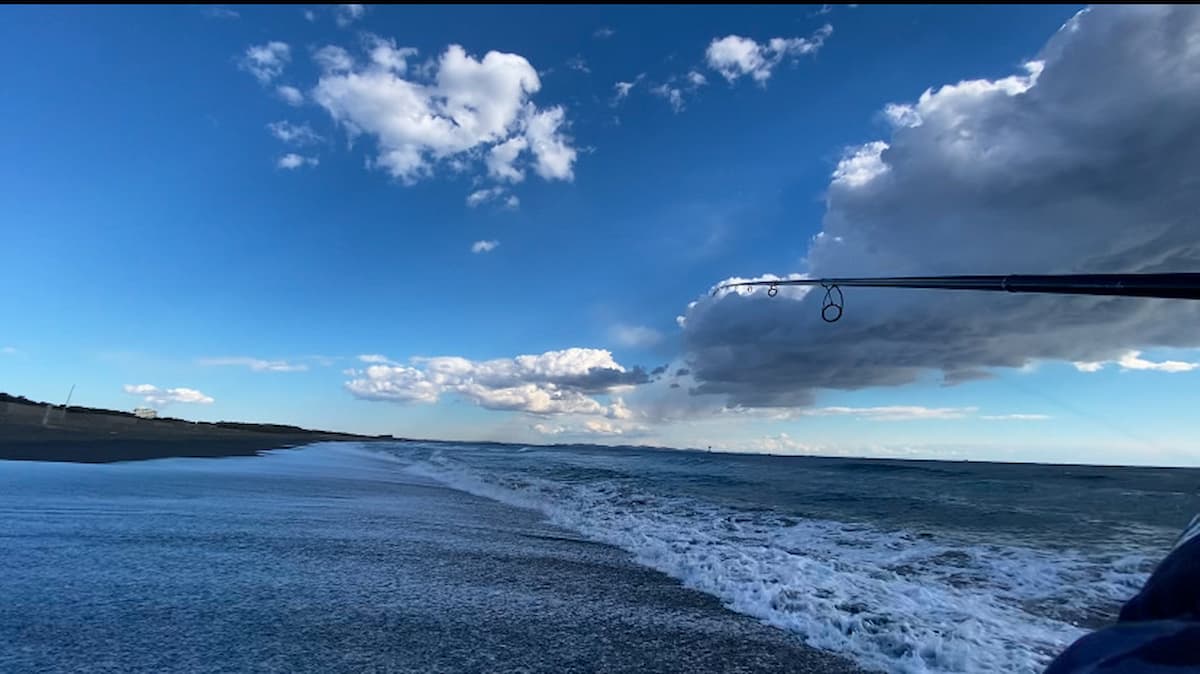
point(38, 431)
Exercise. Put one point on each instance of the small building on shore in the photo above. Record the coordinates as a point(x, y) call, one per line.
point(146, 413)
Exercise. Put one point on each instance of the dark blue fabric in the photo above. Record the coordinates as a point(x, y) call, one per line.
point(1158, 631)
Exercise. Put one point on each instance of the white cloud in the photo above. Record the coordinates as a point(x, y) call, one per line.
point(892, 412)
point(860, 165)
point(374, 358)
point(293, 134)
point(332, 59)
point(256, 364)
point(553, 154)
point(635, 336)
point(1015, 417)
point(490, 194)
point(603, 33)
point(266, 61)
point(1014, 175)
point(675, 88)
point(1132, 360)
point(673, 95)
point(622, 89)
point(902, 114)
point(734, 56)
point(590, 428)
point(348, 14)
point(457, 112)
point(782, 443)
point(550, 429)
point(310, 15)
point(602, 427)
point(483, 196)
point(484, 246)
point(501, 157)
point(552, 383)
point(290, 95)
point(292, 161)
point(159, 397)
point(220, 13)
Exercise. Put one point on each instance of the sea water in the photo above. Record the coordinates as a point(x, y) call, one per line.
point(461, 557)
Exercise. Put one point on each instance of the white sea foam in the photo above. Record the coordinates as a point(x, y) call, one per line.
point(889, 600)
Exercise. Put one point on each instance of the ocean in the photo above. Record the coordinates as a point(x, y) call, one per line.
point(414, 556)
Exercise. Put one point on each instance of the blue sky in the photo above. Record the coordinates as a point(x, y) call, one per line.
point(172, 220)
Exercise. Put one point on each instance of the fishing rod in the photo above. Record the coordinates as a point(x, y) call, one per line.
point(1185, 286)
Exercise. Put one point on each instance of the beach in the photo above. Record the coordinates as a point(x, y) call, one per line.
point(34, 431)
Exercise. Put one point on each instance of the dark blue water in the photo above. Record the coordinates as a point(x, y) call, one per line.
point(422, 557)
point(901, 565)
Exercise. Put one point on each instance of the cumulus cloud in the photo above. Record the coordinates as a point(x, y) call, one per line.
point(553, 155)
point(292, 161)
point(458, 111)
point(1085, 161)
point(502, 157)
point(290, 95)
point(266, 61)
point(1132, 360)
point(860, 165)
point(734, 56)
point(552, 383)
point(256, 364)
point(159, 397)
point(293, 134)
point(635, 336)
point(484, 246)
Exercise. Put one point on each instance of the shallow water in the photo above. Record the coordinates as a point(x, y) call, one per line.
point(445, 557)
point(332, 559)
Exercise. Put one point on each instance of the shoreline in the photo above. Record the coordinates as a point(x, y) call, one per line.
point(79, 448)
point(33, 431)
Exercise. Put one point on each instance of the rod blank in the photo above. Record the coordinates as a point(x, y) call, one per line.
point(1184, 286)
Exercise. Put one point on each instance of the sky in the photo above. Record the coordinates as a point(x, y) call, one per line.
point(506, 223)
